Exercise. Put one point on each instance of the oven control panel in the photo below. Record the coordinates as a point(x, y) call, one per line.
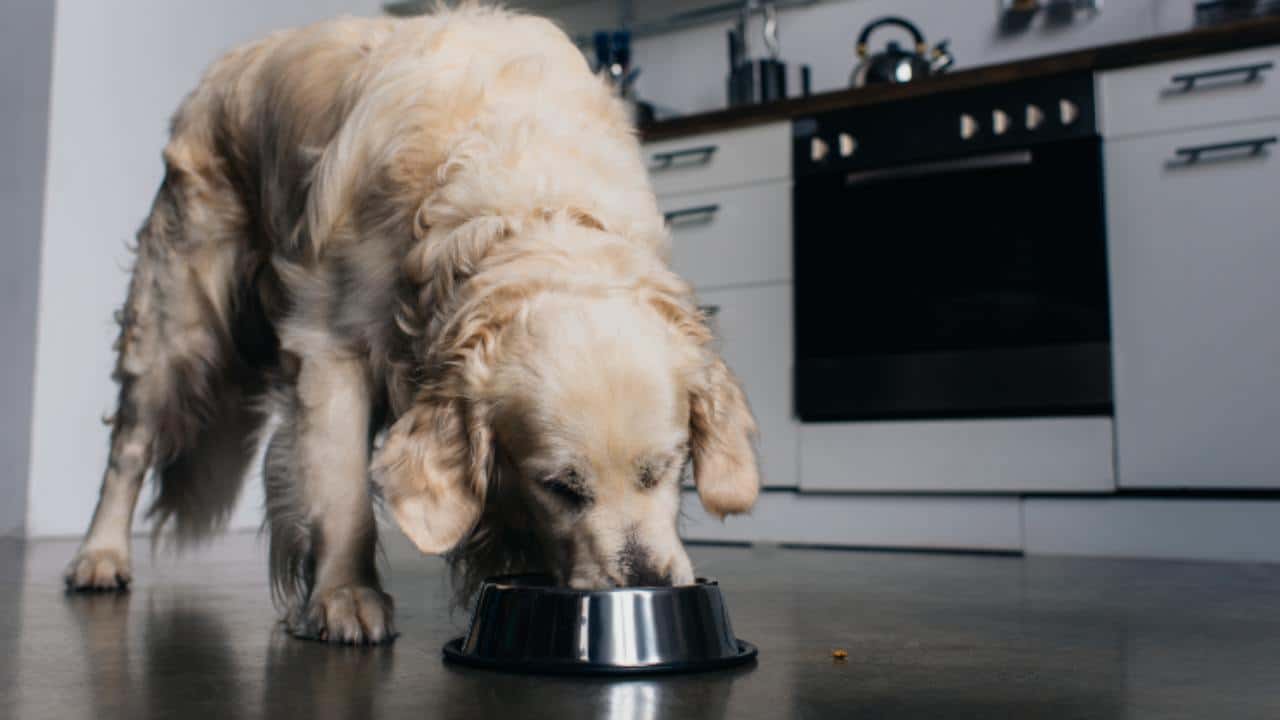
point(946, 124)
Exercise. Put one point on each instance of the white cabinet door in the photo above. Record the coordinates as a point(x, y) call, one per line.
point(720, 159)
point(1196, 92)
point(754, 329)
point(1195, 296)
point(738, 236)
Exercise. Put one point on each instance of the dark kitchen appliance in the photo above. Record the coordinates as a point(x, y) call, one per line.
point(950, 258)
point(893, 64)
point(758, 80)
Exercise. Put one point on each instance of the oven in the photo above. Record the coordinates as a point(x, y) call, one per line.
point(950, 256)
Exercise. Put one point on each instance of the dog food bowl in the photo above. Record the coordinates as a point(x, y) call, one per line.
point(524, 623)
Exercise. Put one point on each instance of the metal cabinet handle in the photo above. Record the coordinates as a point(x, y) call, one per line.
point(1192, 155)
point(687, 216)
point(709, 311)
point(1186, 82)
point(689, 157)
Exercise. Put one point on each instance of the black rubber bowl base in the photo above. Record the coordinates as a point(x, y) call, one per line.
point(453, 653)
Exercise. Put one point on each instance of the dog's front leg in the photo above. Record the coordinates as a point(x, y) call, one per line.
point(334, 527)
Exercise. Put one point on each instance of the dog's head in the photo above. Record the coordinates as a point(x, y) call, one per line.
point(572, 413)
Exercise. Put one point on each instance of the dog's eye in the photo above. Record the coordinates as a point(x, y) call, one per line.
point(568, 488)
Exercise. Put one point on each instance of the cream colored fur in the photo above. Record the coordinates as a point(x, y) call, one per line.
point(441, 227)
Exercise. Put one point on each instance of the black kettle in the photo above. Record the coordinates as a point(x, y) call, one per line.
point(894, 64)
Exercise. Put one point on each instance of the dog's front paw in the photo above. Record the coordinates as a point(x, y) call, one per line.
point(98, 570)
point(350, 614)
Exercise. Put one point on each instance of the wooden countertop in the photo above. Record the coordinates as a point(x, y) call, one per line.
point(1160, 48)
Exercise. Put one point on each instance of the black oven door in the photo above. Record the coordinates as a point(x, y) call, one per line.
point(970, 286)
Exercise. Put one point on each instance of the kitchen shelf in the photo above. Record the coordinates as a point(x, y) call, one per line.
point(702, 14)
point(640, 18)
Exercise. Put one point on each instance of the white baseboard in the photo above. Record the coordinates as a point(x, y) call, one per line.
point(1170, 528)
point(1044, 455)
point(916, 522)
point(1232, 530)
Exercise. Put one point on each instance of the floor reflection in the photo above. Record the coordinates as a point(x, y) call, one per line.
point(190, 661)
point(471, 693)
point(634, 701)
point(315, 680)
point(102, 624)
point(194, 659)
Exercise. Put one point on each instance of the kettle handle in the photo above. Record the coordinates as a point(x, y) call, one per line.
point(865, 36)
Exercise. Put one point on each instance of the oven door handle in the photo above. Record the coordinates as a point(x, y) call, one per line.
point(1016, 158)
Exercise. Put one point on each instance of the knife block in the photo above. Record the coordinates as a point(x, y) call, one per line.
point(757, 81)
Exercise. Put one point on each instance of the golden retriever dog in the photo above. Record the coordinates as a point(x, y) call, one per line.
point(428, 252)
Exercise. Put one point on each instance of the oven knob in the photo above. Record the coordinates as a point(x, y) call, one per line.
point(968, 126)
point(1068, 112)
point(847, 145)
point(1035, 117)
point(818, 149)
point(999, 122)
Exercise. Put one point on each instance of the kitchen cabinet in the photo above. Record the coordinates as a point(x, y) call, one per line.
point(1193, 244)
point(1196, 92)
point(1194, 249)
point(727, 198)
point(733, 236)
point(753, 326)
point(699, 163)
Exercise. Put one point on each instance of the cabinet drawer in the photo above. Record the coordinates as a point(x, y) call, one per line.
point(731, 237)
point(1194, 251)
point(723, 159)
point(1016, 455)
point(1211, 90)
point(754, 329)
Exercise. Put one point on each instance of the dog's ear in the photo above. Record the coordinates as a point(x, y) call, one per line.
point(722, 435)
point(432, 471)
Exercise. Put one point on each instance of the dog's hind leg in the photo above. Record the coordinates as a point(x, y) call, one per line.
point(173, 352)
point(319, 508)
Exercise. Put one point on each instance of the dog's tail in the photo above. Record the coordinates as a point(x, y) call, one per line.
point(198, 489)
point(199, 479)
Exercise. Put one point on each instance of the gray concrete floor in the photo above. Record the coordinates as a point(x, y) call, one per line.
point(928, 636)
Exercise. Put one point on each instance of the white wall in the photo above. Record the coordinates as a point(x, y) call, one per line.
point(686, 70)
point(119, 70)
point(26, 41)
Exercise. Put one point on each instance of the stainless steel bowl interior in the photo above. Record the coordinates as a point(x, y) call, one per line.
point(525, 620)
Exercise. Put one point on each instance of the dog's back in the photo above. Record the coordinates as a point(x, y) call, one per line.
point(382, 101)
